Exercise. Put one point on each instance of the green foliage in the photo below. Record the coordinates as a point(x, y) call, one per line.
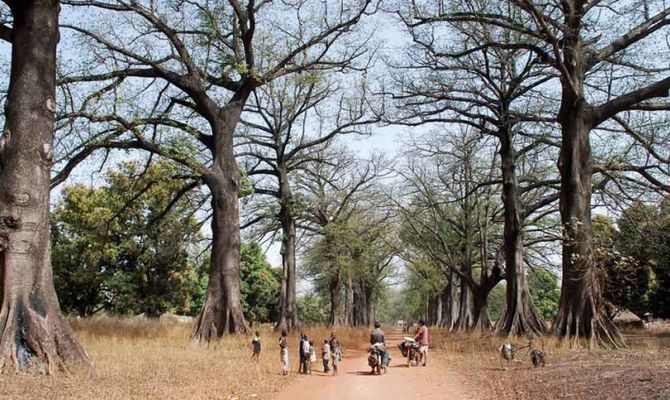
point(246, 185)
point(623, 259)
point(259, 285)
point(624, 280)
point(115, 248)
point(112, 252)
point(543, 287)
point(311, 309)
point(650, 245)
point(414, 306)
point(497, 300)
point(392, 308)
point(360, 246)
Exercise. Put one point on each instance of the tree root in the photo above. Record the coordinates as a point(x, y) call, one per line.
point(33, 341)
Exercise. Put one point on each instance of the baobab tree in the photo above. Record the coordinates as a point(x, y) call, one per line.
point(357, 254)
point(32, 327)
point(292, 121)
point(483, 81)
point(330, 194)
point(603, 70)
point(446, 200)
point(199, 63)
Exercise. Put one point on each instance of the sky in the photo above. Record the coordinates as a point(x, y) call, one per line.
point(388, 39)
point(384, 139)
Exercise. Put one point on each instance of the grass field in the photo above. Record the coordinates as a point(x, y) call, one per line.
point(642, 371)
point(138, 358)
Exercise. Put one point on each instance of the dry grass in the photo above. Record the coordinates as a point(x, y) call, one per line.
point(137, 358)
point(640, 372)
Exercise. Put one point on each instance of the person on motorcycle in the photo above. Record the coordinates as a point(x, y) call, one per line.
point(377, 336)
point(377, 340)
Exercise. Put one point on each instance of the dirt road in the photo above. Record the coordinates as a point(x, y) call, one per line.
point(354, 382)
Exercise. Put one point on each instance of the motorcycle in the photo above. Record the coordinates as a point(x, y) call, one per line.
point(378, 358)
point(410, 350)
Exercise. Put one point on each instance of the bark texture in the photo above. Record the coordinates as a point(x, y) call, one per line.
point(581, 317)
point(335, 299)
point(222, 310)
point(449, 306)
point(33, 331)
point(519, 316)
point(465, 308)
point(482, 321)
point(288, 316)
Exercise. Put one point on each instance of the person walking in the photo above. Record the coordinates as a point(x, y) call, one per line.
point(283, 351)
point(306, 367)
point(335, 352)
point(422, 338)
point(325, 355)
point(256, 347)
point(301, 354)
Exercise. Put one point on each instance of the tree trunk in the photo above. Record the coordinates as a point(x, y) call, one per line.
point(33, 330)
point(371, 314)
point(356, 306)
point(438, 311)
point(581, 316)
point(288, 318)
point(222, 311)
point(519, 316)
point(482, 320)
point(465, 314)
point(447, 319)
point(465, 318)
point(349, 301)
point(434, 309)
point(335, 298)
point(362, 303)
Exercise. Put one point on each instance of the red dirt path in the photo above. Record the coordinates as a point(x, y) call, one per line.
point(354, 381)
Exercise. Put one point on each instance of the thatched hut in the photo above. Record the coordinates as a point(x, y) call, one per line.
point(627, 319)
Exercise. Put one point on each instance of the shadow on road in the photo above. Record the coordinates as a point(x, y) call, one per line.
point(361, 373)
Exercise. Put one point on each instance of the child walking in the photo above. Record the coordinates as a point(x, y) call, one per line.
point(256, 347)
point(306, 366)
point(325, 352)
point(335, 352)
point(283, 352)
point(301, 354)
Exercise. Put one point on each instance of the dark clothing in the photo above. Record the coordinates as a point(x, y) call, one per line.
point(336, 350)
point(301, 353)
point(325, 366)
point(334, 344)
point(377, 336)
point(256, 345)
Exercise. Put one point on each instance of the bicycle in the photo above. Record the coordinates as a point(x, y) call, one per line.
point(508, 353)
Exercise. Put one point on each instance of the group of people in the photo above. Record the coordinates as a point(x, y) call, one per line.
point(331, 354)
point(331, 350)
